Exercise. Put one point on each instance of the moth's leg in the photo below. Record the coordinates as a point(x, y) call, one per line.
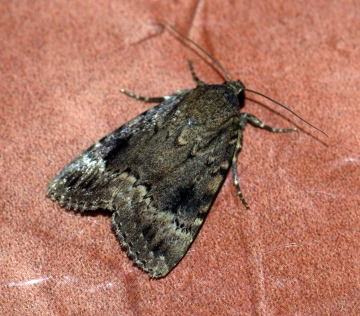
point(152, 99)
point(243, 120)
point(255, 121)
point(195, 77)
point(145, 99)
point(167, 97)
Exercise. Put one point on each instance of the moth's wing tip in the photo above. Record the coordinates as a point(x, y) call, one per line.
point(63, 200)
point(51, 192)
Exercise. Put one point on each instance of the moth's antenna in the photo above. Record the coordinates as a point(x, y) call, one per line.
point(201, 49)
point(229, 79)
point(286, 108)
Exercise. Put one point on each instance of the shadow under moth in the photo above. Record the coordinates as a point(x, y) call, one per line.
point(159, 173)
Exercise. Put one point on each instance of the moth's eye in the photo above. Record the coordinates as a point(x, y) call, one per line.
point(241, 97)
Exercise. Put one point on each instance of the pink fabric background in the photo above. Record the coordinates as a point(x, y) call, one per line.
point(295, 252)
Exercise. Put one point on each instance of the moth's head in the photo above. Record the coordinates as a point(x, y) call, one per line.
point(238, 88)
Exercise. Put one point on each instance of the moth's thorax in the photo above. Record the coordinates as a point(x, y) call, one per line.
point(213, 104)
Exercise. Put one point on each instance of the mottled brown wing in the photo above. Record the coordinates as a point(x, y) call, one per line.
point(159, 174)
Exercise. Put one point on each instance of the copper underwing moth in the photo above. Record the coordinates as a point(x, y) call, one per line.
point(159, 173)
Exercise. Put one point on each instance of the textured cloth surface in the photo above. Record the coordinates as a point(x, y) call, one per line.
point(294, 252)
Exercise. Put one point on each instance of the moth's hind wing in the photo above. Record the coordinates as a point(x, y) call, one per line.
point(92, 180)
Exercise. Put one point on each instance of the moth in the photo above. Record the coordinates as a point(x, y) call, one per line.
point(159, 173)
